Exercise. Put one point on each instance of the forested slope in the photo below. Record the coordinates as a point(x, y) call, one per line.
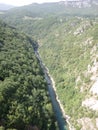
point(24, 100)
point(69, 48)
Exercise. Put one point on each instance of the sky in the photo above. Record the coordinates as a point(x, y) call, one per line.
point(25, 2)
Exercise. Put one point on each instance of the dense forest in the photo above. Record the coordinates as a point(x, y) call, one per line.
point(24, 99)
point(68, 45)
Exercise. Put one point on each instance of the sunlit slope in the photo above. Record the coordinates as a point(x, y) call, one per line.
point(70, 51)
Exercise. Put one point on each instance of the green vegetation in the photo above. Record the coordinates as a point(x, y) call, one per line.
point(67, 38)
point(67, 54)
point(24, 100)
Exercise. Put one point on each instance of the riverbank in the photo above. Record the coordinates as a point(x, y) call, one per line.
point(62, 118)
point(67, 118)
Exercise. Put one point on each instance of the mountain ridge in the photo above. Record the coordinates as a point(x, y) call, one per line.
point(80, 3)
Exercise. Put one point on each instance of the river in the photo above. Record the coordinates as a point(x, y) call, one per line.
point(61, 119)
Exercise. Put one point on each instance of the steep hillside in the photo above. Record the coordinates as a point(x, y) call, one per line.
point(70, 51)
point(68, 45)
point(69, 48)
point(39, 11)
point(24, 100)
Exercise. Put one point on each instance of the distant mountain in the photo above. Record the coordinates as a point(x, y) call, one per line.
point(80, 3)
point(5, 7)
point(40, 11)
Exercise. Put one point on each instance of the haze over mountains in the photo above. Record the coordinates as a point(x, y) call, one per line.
point(70, 7)
point(5, 6)
point(67, 3)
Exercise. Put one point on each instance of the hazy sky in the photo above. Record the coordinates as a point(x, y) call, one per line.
point(25, 2)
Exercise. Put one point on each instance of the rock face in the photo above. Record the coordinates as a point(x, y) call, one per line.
point(91, 103)
point(87, 124)
point(94, 88)
point(81, 3)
